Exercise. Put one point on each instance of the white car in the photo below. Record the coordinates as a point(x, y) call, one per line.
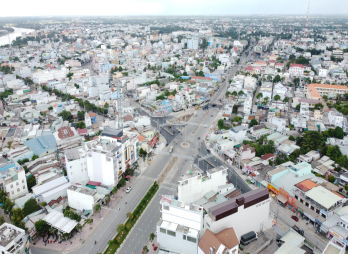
point(128, 189)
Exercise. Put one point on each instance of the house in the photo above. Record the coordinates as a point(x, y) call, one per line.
point(238, 133)
point(296, 70)
point(13, 239)
point(226, 242)
point(246, 152)
point(93, 117)
point(336, 118)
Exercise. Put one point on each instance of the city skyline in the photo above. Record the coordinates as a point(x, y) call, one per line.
point(180, 7)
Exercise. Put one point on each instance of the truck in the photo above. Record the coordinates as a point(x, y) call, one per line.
point(248, 237)
point(298, 230)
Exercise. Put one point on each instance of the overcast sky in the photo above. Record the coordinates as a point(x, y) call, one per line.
point(169, 7)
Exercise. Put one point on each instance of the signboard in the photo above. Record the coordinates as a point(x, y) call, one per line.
point(324, 212)
point(309, 216)
point(153, 141)
point(286, 195)
point(252, 171)
point(272, 188)
point(166, 199)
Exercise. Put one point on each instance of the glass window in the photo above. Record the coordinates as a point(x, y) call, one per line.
point(191, 239)
point(172, 233)
point(184, 237)
point(162, 230)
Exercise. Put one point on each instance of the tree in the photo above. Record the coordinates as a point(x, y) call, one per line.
point(129, 216)
point(66, 115)
point(152, 236)
point(237, 119)
point(332, 179)
point(8, 205)
point(143, 153)
point(234, 93)
point(50, 108)
point(259, 96)
point(120, 228)
point(145, 250)
point(80, 125)
point(291, 138)
point(98, 209)
point(253, 122)
point(41, 227)
point(240, 93)
point(122, 182)
point(80, 115)
point(90, 222)
point(276, 79)
point(17, 217)
point(2, 220)
point(31, 182)
point(30, 206)
point(34, 157)
point(221, 124)
point(296, 81)
point(338, 132)
point(276, 98)
point(286, 100)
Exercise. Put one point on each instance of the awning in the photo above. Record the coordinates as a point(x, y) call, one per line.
point(282, 199)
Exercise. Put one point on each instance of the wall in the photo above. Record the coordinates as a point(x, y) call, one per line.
point(77, 170)
point(80, 201)
point(99, 169)
point(176, 243)
point(183, 217)
point(243, 221)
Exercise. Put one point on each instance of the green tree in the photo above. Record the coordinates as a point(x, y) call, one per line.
point(291, 138)
point(34, 157)
point(50, 108)
point(332, 179)
point(276, 79)
point(8, 205)
point(17, 217)
point(152, 236)
point(286, 100)
point(145, 250)
point(30, 206)
point(276, 98)
point(31, 182)
point(234, 93)
point(130, 216)
point(42, 227)
point(296, 81)
point(339, 133)
point(237, 119)
point(240, 93)
point(98, 209)
point(122, 182)
point(66, 115)
point(80, 115)
point(221, 124)
point(2, 220)
point(259, 96)
point(80, 125)
point(253, 122)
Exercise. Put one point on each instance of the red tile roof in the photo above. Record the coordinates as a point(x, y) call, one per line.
point(296, 65)
point(267, 156)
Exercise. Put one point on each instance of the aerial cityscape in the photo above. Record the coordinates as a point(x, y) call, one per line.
point(220, 130)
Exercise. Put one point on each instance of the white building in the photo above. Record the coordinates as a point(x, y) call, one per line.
point(192, 43)
point(296, 70)
point(180, 225)
point(245, 213)
point(336, 118)
point(45, 75)
point(82, 198)
point(194, 183)
point(250, 83)
point(238, 133)
point(76, 165)
point(304, 110)
point(247, 105)
point(14, 181)
point(13, 240)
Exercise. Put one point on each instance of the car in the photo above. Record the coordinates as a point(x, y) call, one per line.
point(294, 218)
point(128, 189)
point(208, 150)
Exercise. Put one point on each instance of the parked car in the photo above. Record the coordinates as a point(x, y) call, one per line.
point(248, 237)
point(294, 218)
point(128, 189)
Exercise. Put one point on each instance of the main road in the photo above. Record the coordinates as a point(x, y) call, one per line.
point(138, 238)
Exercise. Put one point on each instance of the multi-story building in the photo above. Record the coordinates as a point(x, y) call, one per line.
point(192, 43)
point(336, 118)
point(232, 213)
point(76, 165)
point(13, 179)
point(296, 70)
point(13, 240)
point(180, 226)
point(195, 183)
point(44, 76)
point(304, 110)
point(316, 91)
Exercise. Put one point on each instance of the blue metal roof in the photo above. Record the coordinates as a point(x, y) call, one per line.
point(41, 144)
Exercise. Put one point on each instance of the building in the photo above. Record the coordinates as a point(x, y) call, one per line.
point(192, 43)
point(194, 183)
point(296, 70)
point(76, 165)
point(336, 118)
point(238, 133)
point(13, 240)
point(60, 184)
point(13, 180)
point(226, 242)
point(42, 145)
point(180, 226)
point(82, 198)
point(234, 212)
point(316, 91)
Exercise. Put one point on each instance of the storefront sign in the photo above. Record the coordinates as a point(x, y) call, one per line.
point(323, 212)
point(335, 234)
point(317, 221)
point(285, 194)
point(166, 199)
point(272, 188)
point(309, 216)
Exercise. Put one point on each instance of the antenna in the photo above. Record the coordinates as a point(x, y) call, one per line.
point(9, 41)
point(306, 28)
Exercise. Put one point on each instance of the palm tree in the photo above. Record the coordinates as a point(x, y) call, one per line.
point(277, 98)
point(234, 93)
point(98, 208)
point(265, 100)
point(240, 93)
point(259, 96)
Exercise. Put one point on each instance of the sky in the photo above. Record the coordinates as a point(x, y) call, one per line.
point(170, 7)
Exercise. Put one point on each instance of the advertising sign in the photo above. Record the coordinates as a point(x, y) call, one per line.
point(286, 195)
point(166, 199)
point(272, 188)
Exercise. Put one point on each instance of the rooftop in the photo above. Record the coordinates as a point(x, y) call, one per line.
point(323, 196)
point(8, 233)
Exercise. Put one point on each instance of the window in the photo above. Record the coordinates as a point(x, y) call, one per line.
point(165, 207)
point(312, 207)
point(12, 192)
point(296, 197)
point(18, 189)
point(323, 215)
point(162, 230)
point(172, 233)
point(11, 185)
point(184, 237)
point(307, 204)
point(70, 166)
point(23, 187)
point(81, 169)
point(317, 211)
point(301, 200)
point(191, 239)
point(207, 225)
point(17, 183)
point(22, 181)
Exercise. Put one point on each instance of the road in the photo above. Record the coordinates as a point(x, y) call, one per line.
point(107, 228)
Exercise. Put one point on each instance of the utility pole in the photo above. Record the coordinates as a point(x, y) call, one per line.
point(306, 28)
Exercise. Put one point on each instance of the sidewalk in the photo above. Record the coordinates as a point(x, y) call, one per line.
point(75, 242)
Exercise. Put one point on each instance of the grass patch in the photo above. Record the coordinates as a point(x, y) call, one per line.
point(115, 243)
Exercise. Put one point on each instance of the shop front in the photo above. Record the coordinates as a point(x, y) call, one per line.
point(290, 201)
point(272, 189)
